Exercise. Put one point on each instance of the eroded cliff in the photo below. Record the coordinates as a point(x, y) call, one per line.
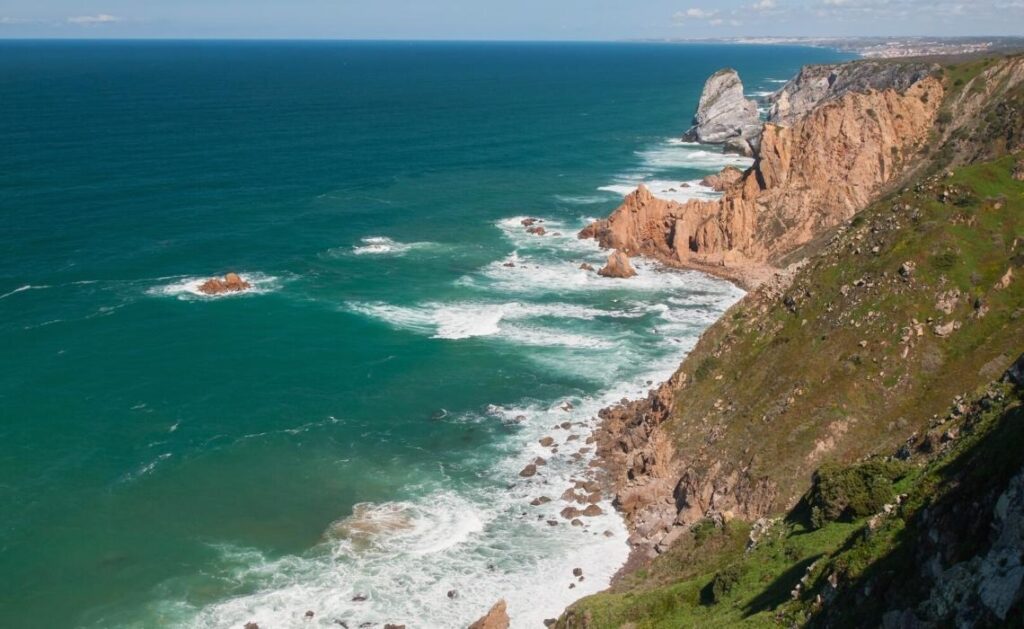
point(807, 177)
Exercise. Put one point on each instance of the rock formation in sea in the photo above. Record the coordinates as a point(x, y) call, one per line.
point(618, 265)
point(725, 116)
point(496, 618)
point(231, 283)
point(809, 175)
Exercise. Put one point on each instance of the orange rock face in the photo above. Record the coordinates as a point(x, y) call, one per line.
point(618, 266)
point(806, 179)
point(231, 283)
point(496, 618)
point(729, 176)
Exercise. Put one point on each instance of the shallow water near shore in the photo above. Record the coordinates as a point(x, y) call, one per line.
point(354, 427)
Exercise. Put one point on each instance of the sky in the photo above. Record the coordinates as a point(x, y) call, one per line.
point(505, 19)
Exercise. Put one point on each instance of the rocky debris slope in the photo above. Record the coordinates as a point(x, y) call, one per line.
point(725, 116)
point(984, 117)
point(806, 179)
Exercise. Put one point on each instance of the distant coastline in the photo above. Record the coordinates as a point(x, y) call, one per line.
point(879, 47)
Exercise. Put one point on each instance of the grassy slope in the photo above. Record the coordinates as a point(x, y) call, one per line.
point(819, 376)
point(837, 562)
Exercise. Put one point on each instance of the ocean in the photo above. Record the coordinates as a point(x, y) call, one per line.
point(354, 427)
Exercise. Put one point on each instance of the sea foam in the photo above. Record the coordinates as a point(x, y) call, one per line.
point(384, 246)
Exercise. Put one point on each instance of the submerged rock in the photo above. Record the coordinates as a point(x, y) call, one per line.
point(617, 266)
point(724, 113)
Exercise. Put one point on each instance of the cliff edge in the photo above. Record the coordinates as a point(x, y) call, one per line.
point(786, 473)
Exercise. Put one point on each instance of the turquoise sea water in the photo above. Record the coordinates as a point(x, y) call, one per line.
point(355, 426)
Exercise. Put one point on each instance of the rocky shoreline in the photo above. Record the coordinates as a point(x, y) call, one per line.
point(809, 131)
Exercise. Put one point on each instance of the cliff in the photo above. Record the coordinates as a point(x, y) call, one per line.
point(807, 178)
point(787, 470)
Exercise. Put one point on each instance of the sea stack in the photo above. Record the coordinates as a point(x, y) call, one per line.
point(618, 266)
point(232, 283)
point(725, 116)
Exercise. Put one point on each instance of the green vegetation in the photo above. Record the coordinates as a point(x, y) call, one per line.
point(852, 492)
point(782, 579)
point(894, 318)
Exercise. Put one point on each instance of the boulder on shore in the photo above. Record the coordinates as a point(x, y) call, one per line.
point(496, 618)
point(617, 266)
point(724, 114)
point(232, 283)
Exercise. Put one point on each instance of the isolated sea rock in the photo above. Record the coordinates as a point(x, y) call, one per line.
point(496, 618)
point(232, 283)
point(724, 113)
point(617, 266)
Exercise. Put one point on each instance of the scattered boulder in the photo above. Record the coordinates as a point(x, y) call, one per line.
point(359, 598)
point(453, 594)
point(907, 269)
point(496, 618)
point(586, 267)
point(547, 442)
point(947, 301)
point(232, 283)
point(539, 501)
point(617, 266)
point(724, 113)
point(577, 572)
point(527, 222)
point(251, 625)
point(1005, 280)
point(309, 614)
point(593, 511)
point(536, 230)
point(528, 471)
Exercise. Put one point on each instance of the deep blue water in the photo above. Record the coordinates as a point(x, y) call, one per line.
point(173, 460)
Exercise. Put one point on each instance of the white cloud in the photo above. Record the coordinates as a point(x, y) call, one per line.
point(764, 5)
point(695, 14)
point(92, 20)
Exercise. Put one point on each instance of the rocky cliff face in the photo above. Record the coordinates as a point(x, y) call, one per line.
point(725, 116)
point(817, 84)
point(807, 178)
point(853, 354)
point(679, 456)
